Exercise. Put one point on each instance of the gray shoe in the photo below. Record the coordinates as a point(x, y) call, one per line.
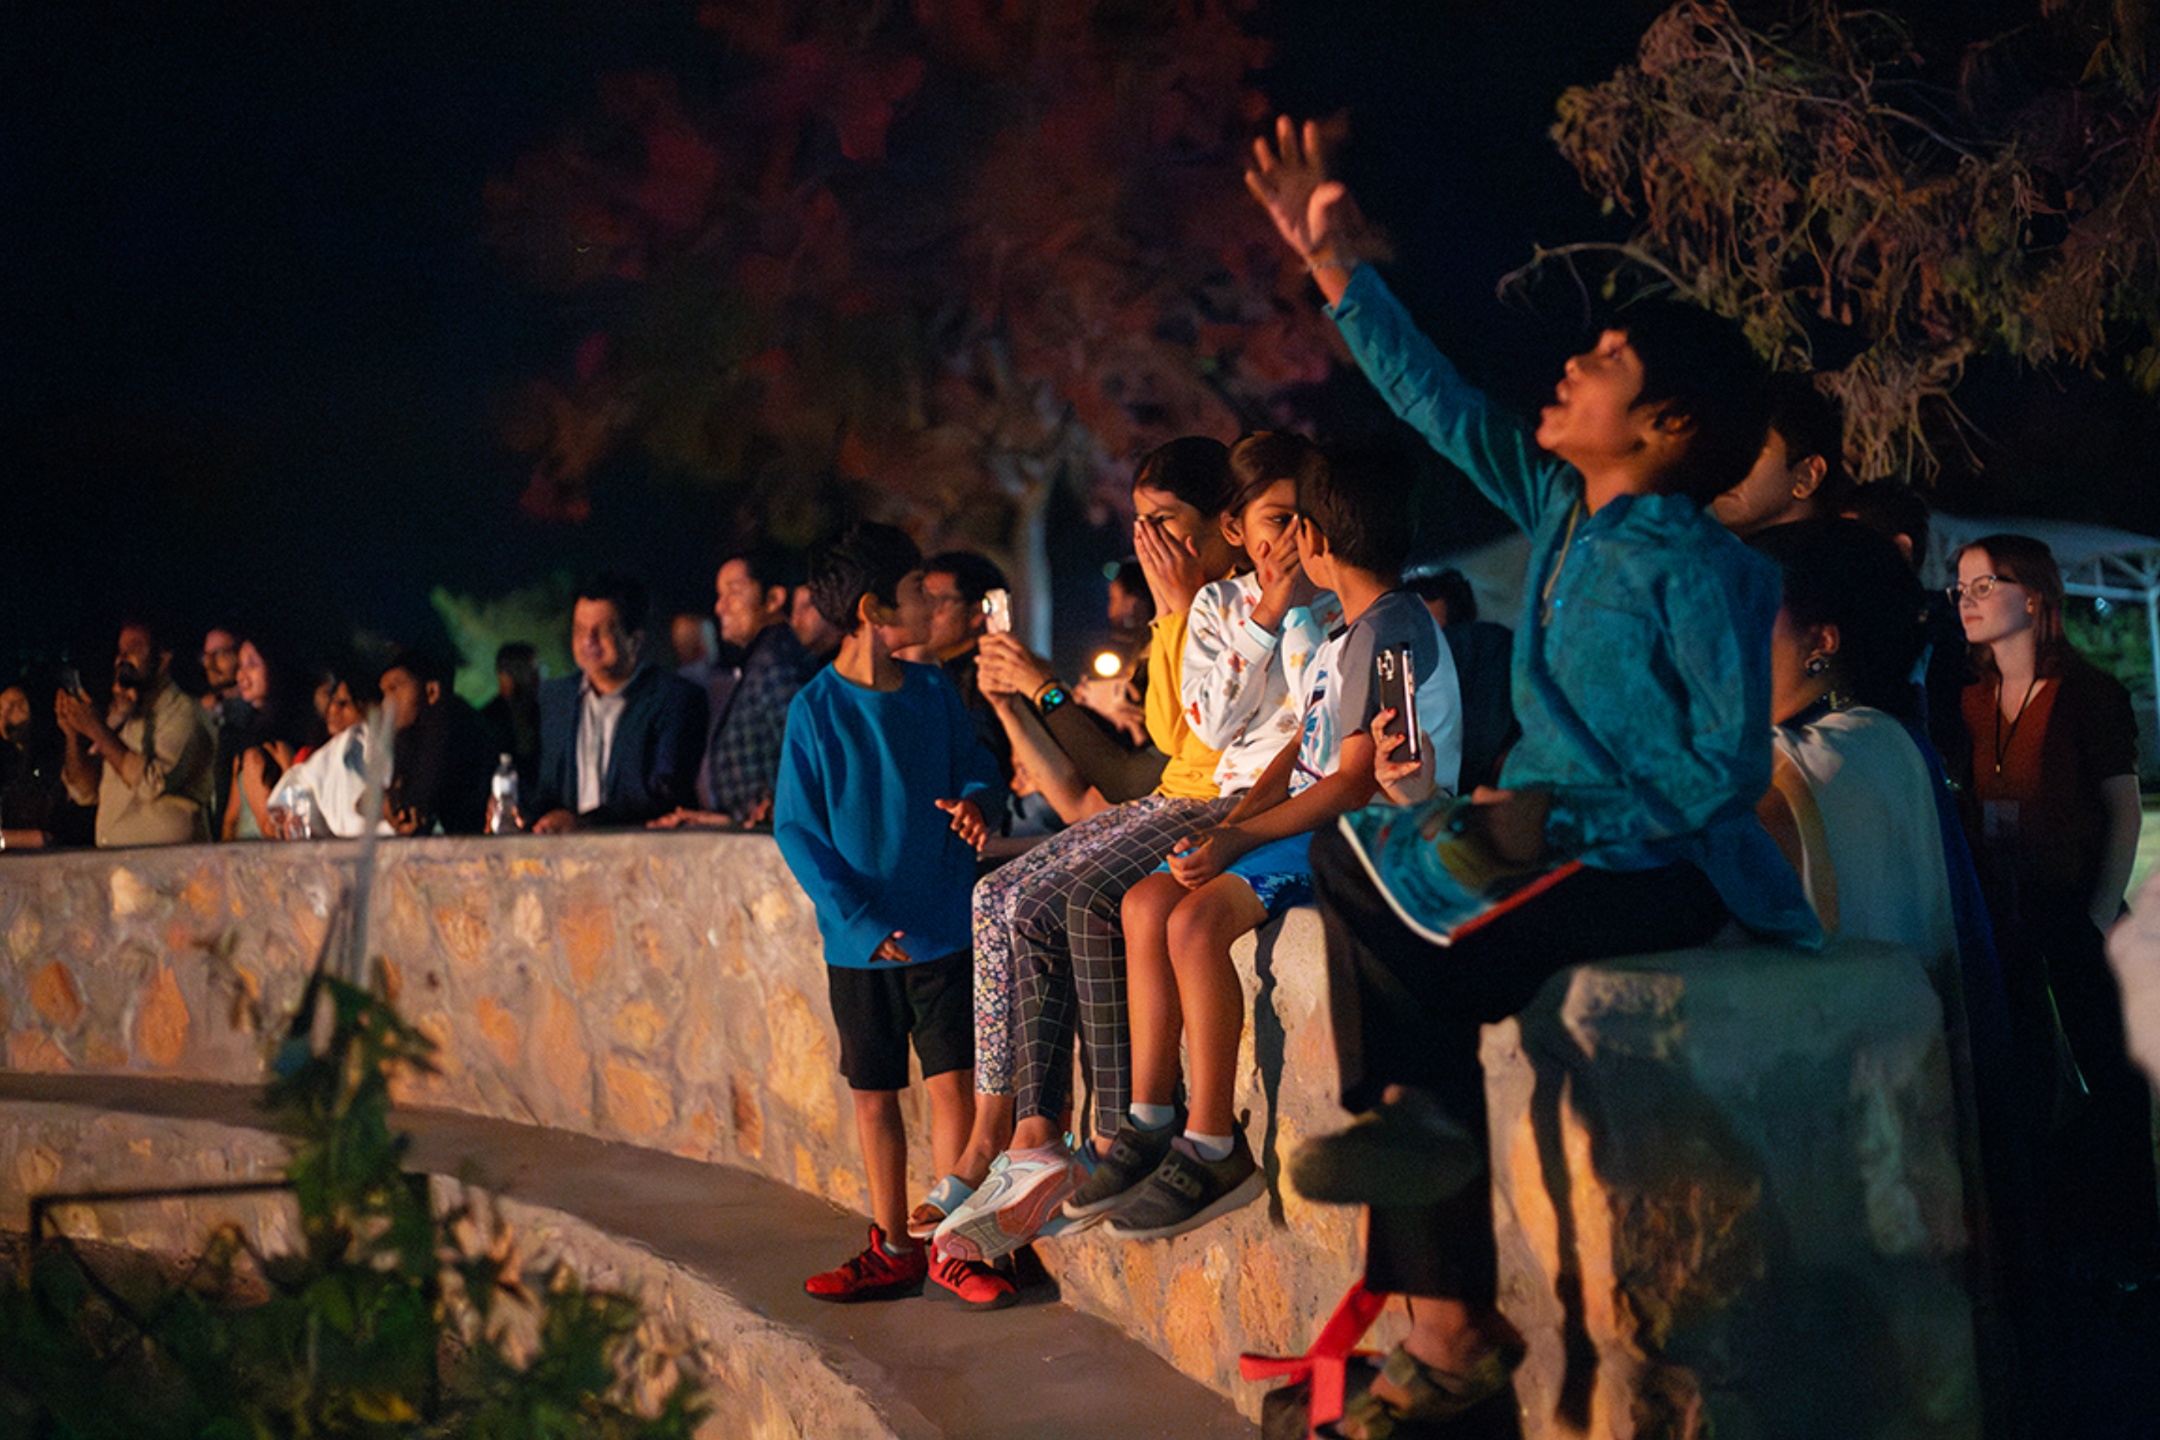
point(1406, 1152)
point(1186, 1192)
point(1133, 1155)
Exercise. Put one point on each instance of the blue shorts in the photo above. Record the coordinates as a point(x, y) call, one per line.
point(1279, 872)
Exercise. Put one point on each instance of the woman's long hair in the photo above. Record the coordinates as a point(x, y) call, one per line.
point(2031, 564)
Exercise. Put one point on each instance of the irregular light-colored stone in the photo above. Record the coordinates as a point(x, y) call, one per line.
point(639, 1025)
point(637, 1104)
point(749, 1114)
point(499, 1028)
point(34, 1051)
point(563, 1058)
point(162, 1019)
point(587, 925)
point(130, 896)
point(24, 933)
point(528, 920)
point(56, 996)
point(803, 1064)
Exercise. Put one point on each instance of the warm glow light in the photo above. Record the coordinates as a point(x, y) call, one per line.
point(1108, 663)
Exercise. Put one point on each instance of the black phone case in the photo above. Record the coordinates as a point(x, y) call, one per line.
point(1395, 681)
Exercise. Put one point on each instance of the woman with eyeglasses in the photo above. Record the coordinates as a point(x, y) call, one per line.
point(2052, 806)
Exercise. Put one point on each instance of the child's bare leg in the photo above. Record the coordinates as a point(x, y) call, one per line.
point(884, 1148)
point(952, 1117)
point(987, 1139)
point(1151, 988)
point(1201, 931)
point(1036, 1131)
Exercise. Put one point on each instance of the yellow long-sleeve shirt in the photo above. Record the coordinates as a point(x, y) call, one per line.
point(1190, 775)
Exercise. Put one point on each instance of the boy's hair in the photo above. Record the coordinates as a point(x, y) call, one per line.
point(1839, 572)
point(1363, 506)
point(1811, 422)
point(974, 575)
point(626, 593)
point(423, 663)
point(870, 559)
point(1260, 459)
point(1699, 368)
point(364, 687)
point(1892, 508)
point(1193, 468)
point(1449, 585)
point(513, 656)
point(770, 566)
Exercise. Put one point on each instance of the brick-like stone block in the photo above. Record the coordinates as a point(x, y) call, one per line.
point(1727, 1197)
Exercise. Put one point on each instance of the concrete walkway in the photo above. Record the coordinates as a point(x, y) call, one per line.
point(1037, 1370)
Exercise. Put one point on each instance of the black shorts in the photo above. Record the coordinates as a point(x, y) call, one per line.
point(880, 1009)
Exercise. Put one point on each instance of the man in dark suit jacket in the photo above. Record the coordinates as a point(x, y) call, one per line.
point(619, 741)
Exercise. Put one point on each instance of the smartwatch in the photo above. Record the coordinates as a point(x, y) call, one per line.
point(1049, 698)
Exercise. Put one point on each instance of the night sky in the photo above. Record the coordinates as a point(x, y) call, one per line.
point(256, 344)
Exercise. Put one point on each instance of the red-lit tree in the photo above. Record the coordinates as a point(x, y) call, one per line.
point(934, 260)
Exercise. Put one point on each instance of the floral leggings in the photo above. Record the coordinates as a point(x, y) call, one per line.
point(1047, 936)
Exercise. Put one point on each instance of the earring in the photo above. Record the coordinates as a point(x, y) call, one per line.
point(1817, 664)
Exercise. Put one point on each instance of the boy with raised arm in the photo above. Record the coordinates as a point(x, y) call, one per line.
point(1641, 680)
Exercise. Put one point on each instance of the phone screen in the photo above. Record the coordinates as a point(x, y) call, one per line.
point(1395, 685)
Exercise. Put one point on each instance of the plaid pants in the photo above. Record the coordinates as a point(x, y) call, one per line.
point(1068, 950)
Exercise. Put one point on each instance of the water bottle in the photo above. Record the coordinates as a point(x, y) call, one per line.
point(305, 821)
point(502, 816)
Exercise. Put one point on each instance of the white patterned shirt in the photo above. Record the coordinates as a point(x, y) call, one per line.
point(1234, 684)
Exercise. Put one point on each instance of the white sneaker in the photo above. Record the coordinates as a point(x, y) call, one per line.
point(1024, 1191)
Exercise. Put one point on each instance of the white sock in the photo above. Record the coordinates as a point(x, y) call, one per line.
point(1209, 1147)
point(1151, 1117)
point(896, 1251)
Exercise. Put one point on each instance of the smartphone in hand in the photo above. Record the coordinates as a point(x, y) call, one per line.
point(1395, 688)
point(997, 612)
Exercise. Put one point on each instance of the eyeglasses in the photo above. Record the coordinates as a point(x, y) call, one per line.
point(1978, 588)
point(939, 602)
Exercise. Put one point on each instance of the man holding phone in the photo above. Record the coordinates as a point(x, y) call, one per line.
point(146, 763)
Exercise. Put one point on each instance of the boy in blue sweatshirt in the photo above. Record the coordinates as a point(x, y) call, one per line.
point(878, 816)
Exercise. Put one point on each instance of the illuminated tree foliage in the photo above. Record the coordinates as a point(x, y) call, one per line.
point(934, 258)
point(1885, 215)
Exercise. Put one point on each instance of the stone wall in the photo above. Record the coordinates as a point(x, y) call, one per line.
point(667, 990)
point(663, 989)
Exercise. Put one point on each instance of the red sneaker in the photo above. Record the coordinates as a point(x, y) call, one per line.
point(873, 1275)
point(970, 1282)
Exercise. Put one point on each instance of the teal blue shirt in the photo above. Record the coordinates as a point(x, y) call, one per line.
point(1642, 655)
point(855, 812)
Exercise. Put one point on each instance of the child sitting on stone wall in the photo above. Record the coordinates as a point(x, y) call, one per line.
point(1351, 536)
point(878, 817)
point(1641, 679)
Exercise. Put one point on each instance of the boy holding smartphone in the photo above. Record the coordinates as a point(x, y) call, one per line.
point(1353, 533)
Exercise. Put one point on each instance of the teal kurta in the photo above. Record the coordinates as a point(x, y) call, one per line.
point(1641, 670)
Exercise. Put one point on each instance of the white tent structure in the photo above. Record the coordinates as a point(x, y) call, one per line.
point(2097, 562)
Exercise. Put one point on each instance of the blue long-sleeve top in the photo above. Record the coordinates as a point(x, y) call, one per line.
point(856, 816)
point(1641, 671)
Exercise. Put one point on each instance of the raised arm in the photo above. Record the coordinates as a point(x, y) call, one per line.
point(1321, 223)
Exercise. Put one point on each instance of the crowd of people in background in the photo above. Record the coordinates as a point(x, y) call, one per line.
point(1726, 706)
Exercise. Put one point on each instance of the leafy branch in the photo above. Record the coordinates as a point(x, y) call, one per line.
point(1822, 185)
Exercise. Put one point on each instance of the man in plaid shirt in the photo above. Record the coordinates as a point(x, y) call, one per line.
point(752, 595)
